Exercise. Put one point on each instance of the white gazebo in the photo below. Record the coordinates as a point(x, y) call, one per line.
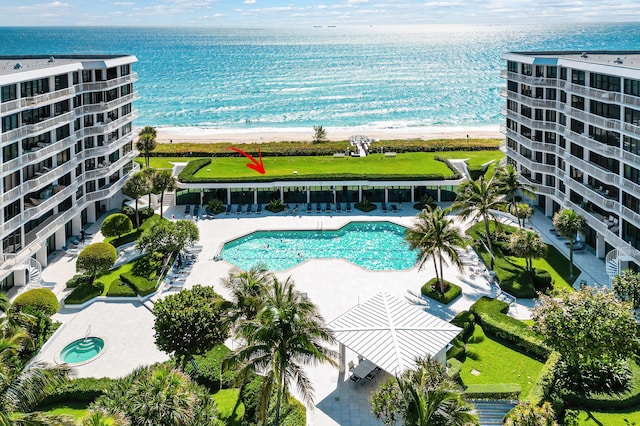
point(392, 333)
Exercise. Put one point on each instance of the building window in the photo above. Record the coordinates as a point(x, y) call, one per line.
point(512, 66)
point(61, 81)
point(577, 102)
point(563, 74)
point(631, 144)
point(577, 77)
point(112, 95)
point(13, 242)
point(526, 69)
point(631, 87)
point(34, 87)
point(550, 115)
point(605, 82)
point(7, 283)
point(577, 151)
point(61, 107)
point(126, 89)
point(76, 77)
point(125, 69)
point(10, 152)
point(525, 111)
point(112, 73)
point(604, 136)
point(11, 210)
point(9, 93)
point(512, 86)
point(577, 126)
point(126, 109)
point(631, 202)
point(11, 181)
point(631, 173)
point(552, 72)
point(551, 94)
point(32, 143)
point(9, 122)
point(604, 110)
point(632, 116)
point(62, 132)
point(525, 90)
point(86, 76)
point(539, 71)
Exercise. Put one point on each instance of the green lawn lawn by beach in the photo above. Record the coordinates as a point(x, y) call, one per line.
point(490, 362)
point(78, 410)
point(599, 418)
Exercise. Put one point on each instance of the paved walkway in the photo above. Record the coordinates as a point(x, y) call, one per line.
point(333, 285)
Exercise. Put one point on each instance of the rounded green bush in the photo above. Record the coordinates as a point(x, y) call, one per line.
point(542, 280)
point(96, 259)
point(115, 225)
point(38, 299)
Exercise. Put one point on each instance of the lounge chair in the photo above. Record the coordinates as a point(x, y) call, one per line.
point(348, 208)
point(239, 209)
point(309, 208)
point(328, 207)
point(338, 208)
point(187, 210)
point(318, 208)
point(228, 209)
point(384, 207)
point(196, 210)
point(394, 208)
point(249, 208)
point(259, 209)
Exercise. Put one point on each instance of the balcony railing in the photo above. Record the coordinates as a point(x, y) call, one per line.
point(532, 124)
point(531, 144)
point(599, 173)
point(532, 102)
point(532, 164)
point(111, 168)
point(607, 123)
point(49, 203)
point(108, 84)
point(593, 145)
point(50, 176)
point(591, 194)
point(528, 79)
point(48, 97)
point(598, 94)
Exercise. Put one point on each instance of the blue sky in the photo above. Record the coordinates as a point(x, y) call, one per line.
point(275, 13)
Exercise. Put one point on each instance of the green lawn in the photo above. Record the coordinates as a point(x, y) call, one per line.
point(497, 364)
point(560, 278)
point(229, 410)
point(599, 418)
point(408, 164)
point(77, 410)
point(112, 275)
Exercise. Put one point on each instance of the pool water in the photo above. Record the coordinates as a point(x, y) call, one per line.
point(377, 246)
point(82, 350)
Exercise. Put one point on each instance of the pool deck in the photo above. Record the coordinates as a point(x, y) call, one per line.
point(335, 286)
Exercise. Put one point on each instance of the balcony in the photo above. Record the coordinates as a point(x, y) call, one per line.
point(633, 129)
point(105, 106)
point(528, 79)
point(530, 143)
point(108, 170)
point(597, 172)
point(49, 176)
point(49, 149)
point(49, 97)
point(597, 94)
point(532, 102)
point(108, 84)
point(592, 194)
point(631, 187)
point(631, 100)
point(593, 145)
point(35, 207)
point(588, 118)
point(532, 164)
point(531, 123)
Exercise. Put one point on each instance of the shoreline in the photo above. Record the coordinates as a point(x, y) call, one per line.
point(299, 134)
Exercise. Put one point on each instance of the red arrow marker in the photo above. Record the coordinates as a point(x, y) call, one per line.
point(256, 165)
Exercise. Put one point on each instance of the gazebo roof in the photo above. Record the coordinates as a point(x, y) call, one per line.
point(392, 333)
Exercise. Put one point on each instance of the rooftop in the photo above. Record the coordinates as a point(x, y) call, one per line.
point(8, 64)
point(620, 58)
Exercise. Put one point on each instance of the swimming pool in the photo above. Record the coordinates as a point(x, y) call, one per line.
point(377, 246)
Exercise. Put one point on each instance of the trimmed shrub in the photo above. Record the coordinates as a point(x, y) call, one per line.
point(365, 205)
point(453, 291)
point(192, 167)
point(216, 206)
point(209, 366)
point(275, 206)
point(545, 381)
point(492, 391)
point(37, 300)
point(490, 314)
point(78, 390)
point(96, 259)
point(116, 225)
point(454, 366)
point(145, 213)
point(143, 286)
point(466, 321)
point(119, 288)
point(78, 280)
point(83, 293)
point(542, 280)
point(128, 211)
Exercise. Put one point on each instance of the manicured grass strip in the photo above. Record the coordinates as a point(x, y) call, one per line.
point(112, 276)
point(554, 263)
point(230, 410)
point(132, 236)
point(600, 418)
point(492, 391)
point(453, 291)
point(497, 364)
point(78, 410)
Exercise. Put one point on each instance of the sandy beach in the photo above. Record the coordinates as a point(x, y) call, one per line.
point(204, 135)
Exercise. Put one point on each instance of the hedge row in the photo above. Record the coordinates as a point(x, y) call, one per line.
point(493, 391)
point(454, 366)
point(141, 285)
point(542, 387)
point(83, 293)
point(78, 390)
point(453, 291)
point(491, 315)
point(119, 288)
point(206, 369)
point(275, 149)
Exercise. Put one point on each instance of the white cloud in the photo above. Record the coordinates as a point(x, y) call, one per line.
point(249, 2)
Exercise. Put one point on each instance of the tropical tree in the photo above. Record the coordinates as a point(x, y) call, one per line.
point(478, 199)
point(247, 291)
point(425, 396)
point(168, 237)
point(190, 322)
point(527, 414)
point(163, 181)
point(527, 244)
point(159, 395)
point(115, 225)
point(522, 211)
point(568, 223)
point(511, 184)
point(435, 236)
point(96, 258)
point(148, 173)
point(135, 187)
point(146, 142)
point(593, 331)
point(320, 134)
point(287, 333)
point(627, 287)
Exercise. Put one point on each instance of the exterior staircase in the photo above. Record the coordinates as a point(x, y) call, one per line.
point(169, 199)
point(612, 264)
point(491, 412)
point(35, 272)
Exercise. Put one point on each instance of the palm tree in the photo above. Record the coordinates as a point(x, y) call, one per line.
point(287, 333)
point(21, 391)
point(568, 223)
point(148, 173)
point(527, 244)
point(247, 290)
point(425, 396)
point(478, 199)
point(146, 142)
point(320, 134)
point(163, 181)
point(434, 236)
point(522, 211)
point(511, 185)
point(135, 187)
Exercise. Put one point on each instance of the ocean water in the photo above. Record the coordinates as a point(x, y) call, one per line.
point(382, 77)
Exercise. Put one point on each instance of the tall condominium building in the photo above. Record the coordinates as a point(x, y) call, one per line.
point(573, 131)
point(67, 149)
